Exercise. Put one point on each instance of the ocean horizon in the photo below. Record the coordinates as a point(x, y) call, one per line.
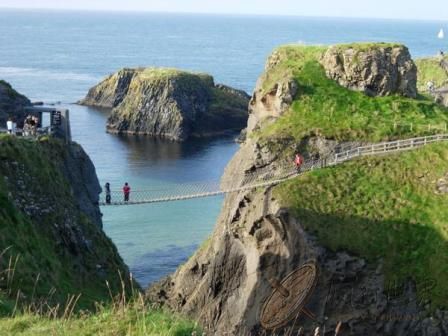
point(56, 56)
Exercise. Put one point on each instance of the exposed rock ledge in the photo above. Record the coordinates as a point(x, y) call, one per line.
point(375, 69)
point(169, 103)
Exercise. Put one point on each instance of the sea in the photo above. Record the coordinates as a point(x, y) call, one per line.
point(56, 56)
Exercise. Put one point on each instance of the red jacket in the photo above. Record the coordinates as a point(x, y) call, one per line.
point(298, 160)
point(126, 189)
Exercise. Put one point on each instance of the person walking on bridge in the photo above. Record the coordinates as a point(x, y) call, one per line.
point(108, 197)
point(126, 191)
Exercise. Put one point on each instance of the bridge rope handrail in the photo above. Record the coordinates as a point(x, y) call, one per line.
point(265, 177)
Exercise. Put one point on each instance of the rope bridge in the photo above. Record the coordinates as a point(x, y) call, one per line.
point(262, 177)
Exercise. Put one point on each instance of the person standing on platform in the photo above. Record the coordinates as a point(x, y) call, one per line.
point(9, 125)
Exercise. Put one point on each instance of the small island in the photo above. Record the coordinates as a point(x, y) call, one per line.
point(169, 103)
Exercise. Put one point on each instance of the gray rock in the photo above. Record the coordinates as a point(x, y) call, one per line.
point(376, 70)
point(169, 103)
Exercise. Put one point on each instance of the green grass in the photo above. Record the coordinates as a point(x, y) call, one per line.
point(40, 249)
point(133, 319)
point(430, 70)
point(322, 107)
point(367, 46)
point(382, 208)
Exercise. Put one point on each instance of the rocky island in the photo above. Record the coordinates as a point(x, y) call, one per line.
point(375, 227)
point(168, 103)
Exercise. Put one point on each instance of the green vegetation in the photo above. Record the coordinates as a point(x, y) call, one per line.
point(429, 69)
point(41, 253)
point(322, 107)
point(47, 286)
point(161, 73)
point(367, 46)
point(133, 319)
point(382, 208)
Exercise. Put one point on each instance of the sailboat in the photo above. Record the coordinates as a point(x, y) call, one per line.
point(441, 34)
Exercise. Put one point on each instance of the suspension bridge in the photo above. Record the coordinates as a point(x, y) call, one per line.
point(263, 177)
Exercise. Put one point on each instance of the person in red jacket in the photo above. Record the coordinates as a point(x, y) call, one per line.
point(298, 161)
point(126, 192)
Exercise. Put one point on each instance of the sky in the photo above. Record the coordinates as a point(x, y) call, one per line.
point(401, 9)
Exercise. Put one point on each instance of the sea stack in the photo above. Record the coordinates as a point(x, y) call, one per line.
point(169, 103)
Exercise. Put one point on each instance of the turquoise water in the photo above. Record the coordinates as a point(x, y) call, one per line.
point(57, 56)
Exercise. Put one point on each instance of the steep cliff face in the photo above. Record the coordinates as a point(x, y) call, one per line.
point(12, 104)
point(111, 91)
point(376, 70)
point(50, 221)
point(266, 233)
point(169, 103)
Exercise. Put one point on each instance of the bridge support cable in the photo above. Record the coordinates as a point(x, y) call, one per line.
point(263, 177)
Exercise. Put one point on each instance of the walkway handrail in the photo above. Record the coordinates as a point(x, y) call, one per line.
point(389, 146)
point(266, 178)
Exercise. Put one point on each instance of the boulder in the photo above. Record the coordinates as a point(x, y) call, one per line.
point(374, 69)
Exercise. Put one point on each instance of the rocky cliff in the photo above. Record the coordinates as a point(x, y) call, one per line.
point(50, 221)
point(169, 103)
point(12, 104)
point(374, 69)
point(264, 234)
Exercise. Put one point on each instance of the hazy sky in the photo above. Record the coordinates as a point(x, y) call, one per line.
point(405, 9)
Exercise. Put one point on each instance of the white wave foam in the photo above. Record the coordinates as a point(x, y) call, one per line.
point(46, 74)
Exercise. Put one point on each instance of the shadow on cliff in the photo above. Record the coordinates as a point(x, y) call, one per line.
point(408, 253)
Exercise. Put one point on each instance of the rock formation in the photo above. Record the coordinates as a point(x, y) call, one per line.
point(12, 104)
point(169, 103)
point(50, 217)
point(376, 70)
point(257, 239)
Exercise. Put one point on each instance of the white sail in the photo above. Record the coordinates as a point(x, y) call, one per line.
point(441, 34)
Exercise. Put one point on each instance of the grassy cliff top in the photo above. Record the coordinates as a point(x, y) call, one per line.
point(324, 107)
point(382, 208)
point(367, 46)
point(46, 243)
point(157, 74)
point(429, 69)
